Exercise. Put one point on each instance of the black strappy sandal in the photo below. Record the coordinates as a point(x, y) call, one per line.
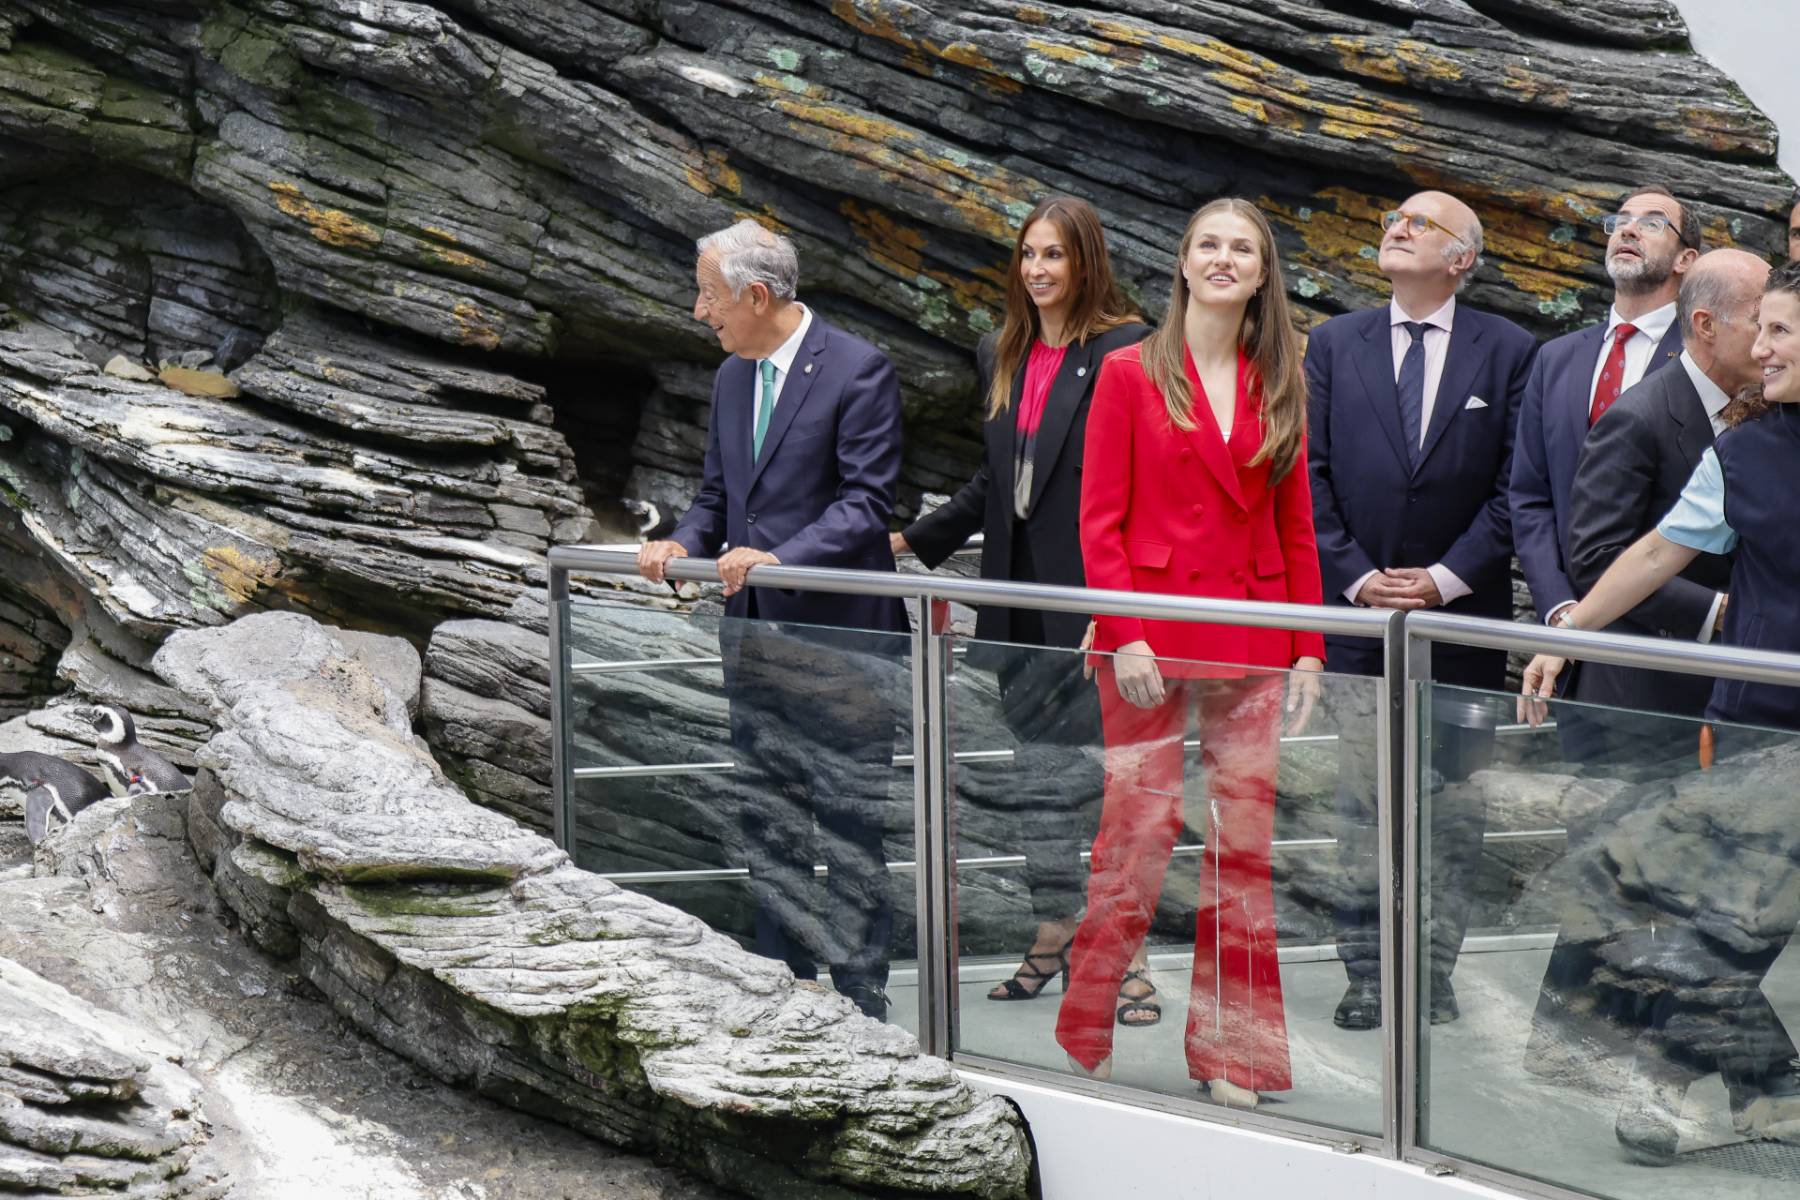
point(1143, 1002)
point(1012, 989)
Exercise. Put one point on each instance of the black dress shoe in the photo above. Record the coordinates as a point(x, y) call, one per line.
point(867, 996)
point(1443, 1002)
point(1361, 1006)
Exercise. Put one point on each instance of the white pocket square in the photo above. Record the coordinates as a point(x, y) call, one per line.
point(1476, 402)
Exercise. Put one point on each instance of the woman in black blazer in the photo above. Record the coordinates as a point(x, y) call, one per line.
point(1064, 314)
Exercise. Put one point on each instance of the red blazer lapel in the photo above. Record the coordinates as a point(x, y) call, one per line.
point(1205, 438)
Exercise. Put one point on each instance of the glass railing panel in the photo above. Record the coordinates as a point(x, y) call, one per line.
point(1291, 810)
point(1610, 913)
point(754, 774)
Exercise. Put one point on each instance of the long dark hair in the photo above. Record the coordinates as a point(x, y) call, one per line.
point(1267, 337)
point(1097, 306)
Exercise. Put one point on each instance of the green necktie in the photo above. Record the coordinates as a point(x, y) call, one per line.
point(765, 407)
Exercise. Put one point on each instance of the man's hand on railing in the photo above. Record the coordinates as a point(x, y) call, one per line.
point(1538, 687)
point(735, 564)
point(1303, 692)
point(1134, 670)
point(897, 543)
point(654, 556)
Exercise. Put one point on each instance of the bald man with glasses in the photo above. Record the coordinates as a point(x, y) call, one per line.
point(1410, 411)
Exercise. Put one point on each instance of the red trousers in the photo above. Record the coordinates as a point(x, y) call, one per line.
point(1236, 1029)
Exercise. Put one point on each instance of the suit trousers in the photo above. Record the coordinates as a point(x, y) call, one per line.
point(813, 715)
point(1584, 1009)
point(1053, 712)
point(1458, 821)
point(1236, 1026)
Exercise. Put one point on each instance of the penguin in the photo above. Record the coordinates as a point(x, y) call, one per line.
point(128, 764)
point(44, 804)
point(20, 773)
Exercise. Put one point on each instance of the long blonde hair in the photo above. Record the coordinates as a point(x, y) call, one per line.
point(1267, 337)
point(1097, 307)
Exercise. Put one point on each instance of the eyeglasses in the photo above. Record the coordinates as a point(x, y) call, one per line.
point(1647, 223)
point(1417, 222)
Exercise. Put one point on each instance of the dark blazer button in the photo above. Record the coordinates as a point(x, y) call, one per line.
point(751, 519)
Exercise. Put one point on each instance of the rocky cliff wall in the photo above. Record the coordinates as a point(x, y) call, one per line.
point(443, 248)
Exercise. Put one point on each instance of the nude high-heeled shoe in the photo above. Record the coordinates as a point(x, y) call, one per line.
point(1231, 1095)
point(1103, 1072)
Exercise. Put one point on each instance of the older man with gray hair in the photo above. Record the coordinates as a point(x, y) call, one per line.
point(802, 461)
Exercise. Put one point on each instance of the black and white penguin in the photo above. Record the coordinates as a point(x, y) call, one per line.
point(50, 789)
point(131, 769)
point(22, 770)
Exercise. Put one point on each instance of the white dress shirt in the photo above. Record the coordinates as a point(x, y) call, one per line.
point(1437, 347)
point(1652, 327)
point(1436, 342)
point(783, 358)
point(1713, 397)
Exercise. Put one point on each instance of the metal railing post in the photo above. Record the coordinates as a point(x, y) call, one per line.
point(940, 852)
point(1390, 826)
point(562, 798)
point(929, 803)
point(1411, 858)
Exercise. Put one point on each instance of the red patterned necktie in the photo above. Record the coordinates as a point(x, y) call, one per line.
point(1612, 376)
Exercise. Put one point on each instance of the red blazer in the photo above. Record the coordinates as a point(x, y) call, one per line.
point(1180, 512)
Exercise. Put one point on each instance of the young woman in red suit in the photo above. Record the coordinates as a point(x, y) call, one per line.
point(1196, 485)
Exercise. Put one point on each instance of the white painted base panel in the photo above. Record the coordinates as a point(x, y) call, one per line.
point(1092, 1149)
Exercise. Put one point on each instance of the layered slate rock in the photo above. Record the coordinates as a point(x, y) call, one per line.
point(260, 511)
point(523, 178)
point(454, 936)
point(91, 1104)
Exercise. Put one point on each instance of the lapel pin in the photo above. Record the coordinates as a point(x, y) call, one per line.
point(1080, 371)
point(808, 370)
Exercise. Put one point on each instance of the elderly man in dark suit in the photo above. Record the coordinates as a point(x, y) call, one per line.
point(802, 459)
point(1652, 241)
point(1411, 414)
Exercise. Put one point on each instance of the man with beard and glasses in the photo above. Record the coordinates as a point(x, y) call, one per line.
point(1652, 241)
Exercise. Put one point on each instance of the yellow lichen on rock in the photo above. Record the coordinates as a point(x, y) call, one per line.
point(477, 327)
point(329, 225)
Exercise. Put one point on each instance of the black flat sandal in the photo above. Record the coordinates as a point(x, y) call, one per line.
point(1012, 989)
point(1131, 1005)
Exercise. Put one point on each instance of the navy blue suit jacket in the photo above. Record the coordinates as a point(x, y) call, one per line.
point(1372, 510)
point(1553, 426)
point(822, 491)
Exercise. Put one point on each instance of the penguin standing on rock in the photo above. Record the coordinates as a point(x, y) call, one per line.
point(131, 769)
point(48, 787)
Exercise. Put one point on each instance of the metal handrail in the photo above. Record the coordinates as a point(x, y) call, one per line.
point(1616, 649)
point(1260, 614)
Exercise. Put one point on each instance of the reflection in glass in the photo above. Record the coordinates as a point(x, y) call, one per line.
point(744, 770)
point(1220, 863)
point(1626, 1006)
